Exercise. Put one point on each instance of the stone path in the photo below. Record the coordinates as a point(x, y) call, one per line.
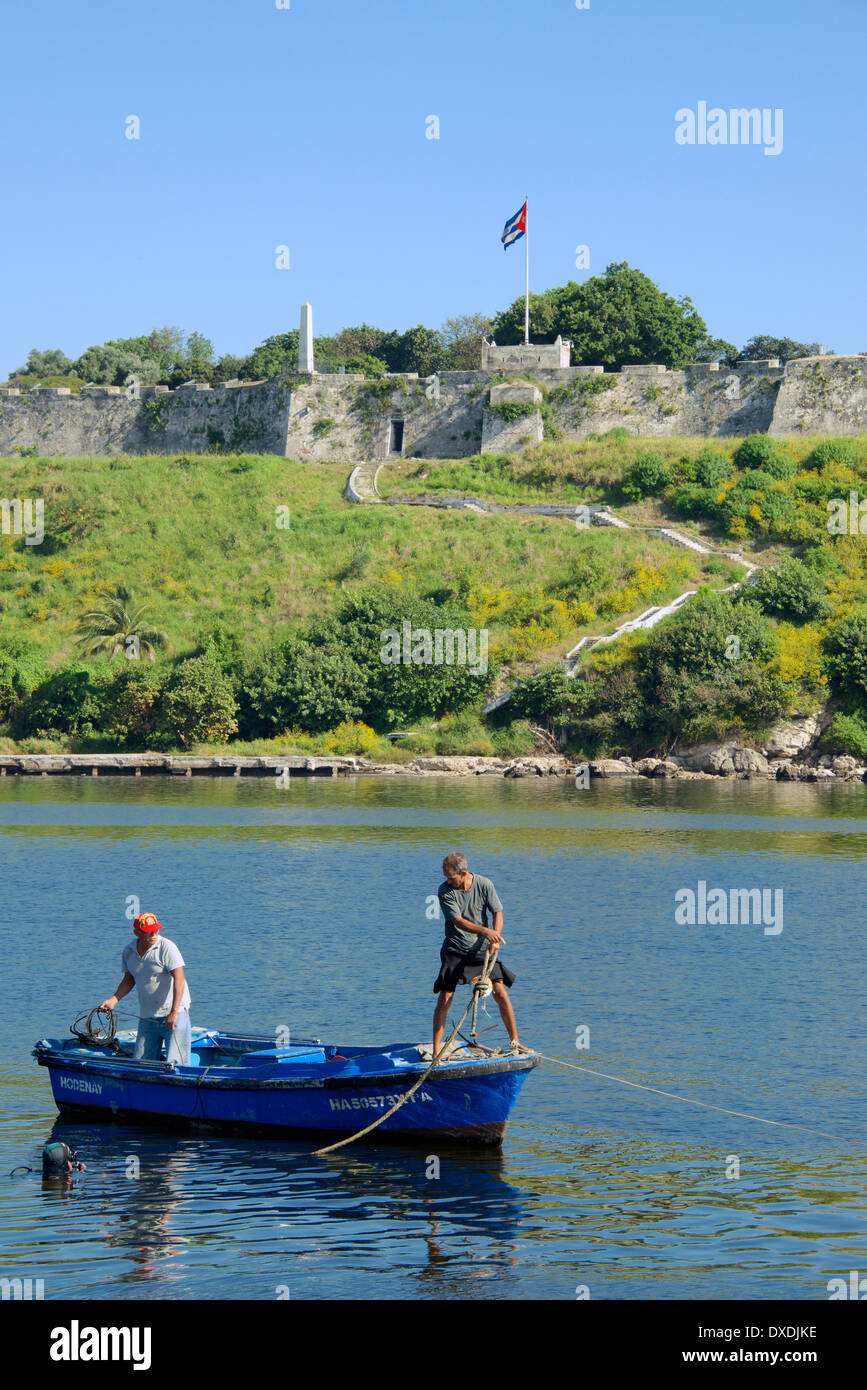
point(361, 487)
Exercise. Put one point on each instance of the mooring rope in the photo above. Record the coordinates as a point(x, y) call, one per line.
point(688, 1100)
point(478, 987)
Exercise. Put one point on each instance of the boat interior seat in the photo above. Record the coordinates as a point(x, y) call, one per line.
point(379, 1061)
point(299, 1053)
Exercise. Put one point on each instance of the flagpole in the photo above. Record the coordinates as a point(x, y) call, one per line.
point(527, 268)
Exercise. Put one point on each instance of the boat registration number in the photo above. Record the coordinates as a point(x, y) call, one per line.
point(373, 1102)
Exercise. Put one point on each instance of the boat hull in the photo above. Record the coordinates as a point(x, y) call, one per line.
point(468, 1103)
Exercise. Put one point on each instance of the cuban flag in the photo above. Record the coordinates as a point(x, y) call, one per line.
point(515, 228)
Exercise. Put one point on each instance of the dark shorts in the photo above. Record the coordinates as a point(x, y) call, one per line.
point(456, 970)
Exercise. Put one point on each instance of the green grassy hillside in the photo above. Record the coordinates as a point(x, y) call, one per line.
point(239, 559)
point(198, 542)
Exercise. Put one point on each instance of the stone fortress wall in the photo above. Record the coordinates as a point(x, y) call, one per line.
point(449, 415)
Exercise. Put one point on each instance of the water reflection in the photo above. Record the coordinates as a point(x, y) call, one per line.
point(193, 1190)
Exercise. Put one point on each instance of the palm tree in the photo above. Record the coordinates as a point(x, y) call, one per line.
point(117, 624)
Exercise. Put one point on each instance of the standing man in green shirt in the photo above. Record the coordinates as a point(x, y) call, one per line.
point(468, 901)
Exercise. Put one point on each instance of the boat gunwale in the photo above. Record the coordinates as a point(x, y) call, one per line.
point(237, 1078)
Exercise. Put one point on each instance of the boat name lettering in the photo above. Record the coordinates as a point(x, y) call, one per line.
point(373, 1102)
point(73, 1083)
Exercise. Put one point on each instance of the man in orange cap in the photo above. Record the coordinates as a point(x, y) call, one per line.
point(155, 966)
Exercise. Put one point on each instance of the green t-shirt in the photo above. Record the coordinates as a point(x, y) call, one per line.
point(475, 904)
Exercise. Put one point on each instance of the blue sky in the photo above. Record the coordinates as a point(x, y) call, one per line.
point(306, 127)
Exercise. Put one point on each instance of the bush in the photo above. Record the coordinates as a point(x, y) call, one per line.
point(369, 627)
point(712, 467)
point(133, 704)
point(754, 451)
point(514, 739)
point(799, 662)
point(779, 515)
point(649, 474)
point(841, 451)
point(812, 487)
point(846, 650)
point(70, 703)
point(791, 590)
point(548, 694)
point(199, 704)
point(21, 670)
point(353, 737)
point(297, 684)
point(464, 733)
point(755, 480)
point(694, 677)
point(422, 743)
point(848, 734)
point(821, 559)
point(780, 465)
point(372, 367)
point(694, 500)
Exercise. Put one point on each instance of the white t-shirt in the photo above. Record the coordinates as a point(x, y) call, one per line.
point(153, 978)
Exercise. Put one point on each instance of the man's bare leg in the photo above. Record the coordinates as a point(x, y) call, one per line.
point(441, 1013)
point(507, 1013)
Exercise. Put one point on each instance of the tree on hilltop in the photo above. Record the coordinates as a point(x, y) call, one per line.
point(462, 339)
point(720, 350)
point(760, 348)
point(419, 350)
point(274, 357)
point(614, 319)
point(106, 365)
point(165, 346)
point(51, 362)
point(360, 341)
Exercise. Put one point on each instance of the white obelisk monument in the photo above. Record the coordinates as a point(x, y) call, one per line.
point(305, 340)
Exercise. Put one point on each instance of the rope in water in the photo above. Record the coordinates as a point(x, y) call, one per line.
point(478, 987)
point(706, 1105)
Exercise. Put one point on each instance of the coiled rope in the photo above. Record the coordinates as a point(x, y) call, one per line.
point(101, 1033)
point(688, 1100)
point(478, 991)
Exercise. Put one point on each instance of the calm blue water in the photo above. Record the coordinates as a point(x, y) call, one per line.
point(307, 908)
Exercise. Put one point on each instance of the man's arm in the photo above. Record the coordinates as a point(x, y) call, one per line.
point(177, 996)
point(123, 989)
point(492, 936)
point(498, 930)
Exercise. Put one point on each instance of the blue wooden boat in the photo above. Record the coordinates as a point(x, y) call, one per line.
point(244, 1082)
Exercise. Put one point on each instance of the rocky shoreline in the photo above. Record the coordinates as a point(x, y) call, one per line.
point(710, 762)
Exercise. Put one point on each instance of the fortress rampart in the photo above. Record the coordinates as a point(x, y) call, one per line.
point(449, 415)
